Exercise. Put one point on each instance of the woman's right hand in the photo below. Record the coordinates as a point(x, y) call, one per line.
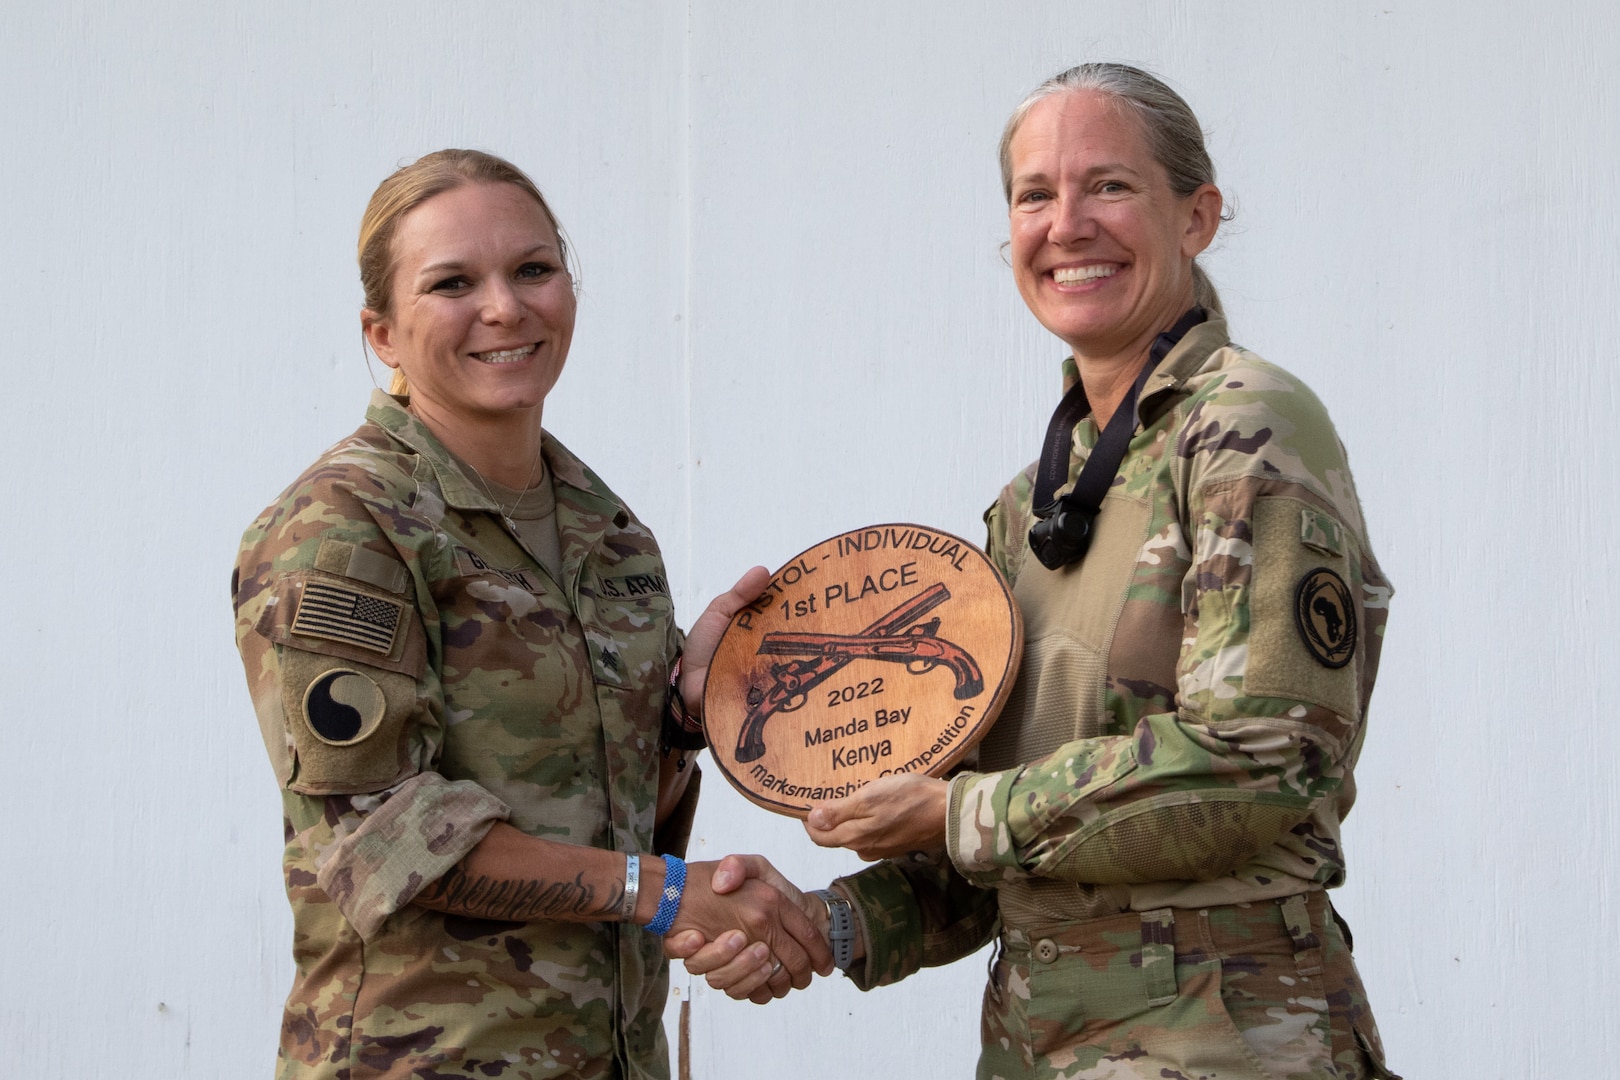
point(704, 636)
point(738, 964)
point(736, 916)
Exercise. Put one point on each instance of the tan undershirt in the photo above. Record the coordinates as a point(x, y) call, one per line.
point(534, 515)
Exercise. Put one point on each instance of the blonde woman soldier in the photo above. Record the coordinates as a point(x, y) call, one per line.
point(466, 667)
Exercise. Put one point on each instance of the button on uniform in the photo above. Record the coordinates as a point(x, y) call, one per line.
point(1046, 950)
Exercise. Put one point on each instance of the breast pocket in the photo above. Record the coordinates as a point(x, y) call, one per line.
point(506, 636)
point(629, 637)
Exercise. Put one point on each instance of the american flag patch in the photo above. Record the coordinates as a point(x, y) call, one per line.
point(340, 614)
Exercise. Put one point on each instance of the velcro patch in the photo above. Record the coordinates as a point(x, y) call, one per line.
point(1296, 652)
point(1326, 615)
point(1318, 530)
point(343, 706)
point(339, 613)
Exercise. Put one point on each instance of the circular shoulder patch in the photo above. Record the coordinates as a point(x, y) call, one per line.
point(343, 706)
point(1326, 616)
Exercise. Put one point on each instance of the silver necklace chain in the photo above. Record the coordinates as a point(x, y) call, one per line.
point(489, 493)
point(506, 515)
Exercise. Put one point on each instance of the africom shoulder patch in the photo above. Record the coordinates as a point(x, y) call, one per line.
point(339, 613)
point(1326, 615)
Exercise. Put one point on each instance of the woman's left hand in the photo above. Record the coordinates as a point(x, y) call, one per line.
point(890, 816)
point(704, 637)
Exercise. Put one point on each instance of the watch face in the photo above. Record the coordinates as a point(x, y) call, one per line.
point(886, 649)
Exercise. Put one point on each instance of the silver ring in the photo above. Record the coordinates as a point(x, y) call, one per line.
point(777, 969)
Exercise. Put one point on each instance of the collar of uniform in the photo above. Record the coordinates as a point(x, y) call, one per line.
point(1181, 364)
point(578, 486)
point(573, 482)
point(459, 490)
point(1187, 358)
point(586, 509)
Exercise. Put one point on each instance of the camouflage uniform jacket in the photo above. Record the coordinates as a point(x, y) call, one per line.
point(1192, 696)
point(417, 677)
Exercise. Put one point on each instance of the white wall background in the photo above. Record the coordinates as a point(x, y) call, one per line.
point(789, 219)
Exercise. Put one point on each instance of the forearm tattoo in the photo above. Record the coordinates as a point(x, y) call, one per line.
point(517, 899)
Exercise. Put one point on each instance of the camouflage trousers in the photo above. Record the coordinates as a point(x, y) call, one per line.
point(1262, 990)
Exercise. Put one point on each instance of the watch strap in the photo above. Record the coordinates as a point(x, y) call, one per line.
point(840, 927)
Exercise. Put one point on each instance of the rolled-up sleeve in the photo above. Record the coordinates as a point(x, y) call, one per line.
point(333, 637)
point(401, 841)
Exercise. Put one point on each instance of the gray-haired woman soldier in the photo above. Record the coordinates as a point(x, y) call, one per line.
point(1155, 818)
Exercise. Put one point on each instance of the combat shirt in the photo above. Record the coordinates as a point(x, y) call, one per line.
point(417, 677)
point(1192, 696)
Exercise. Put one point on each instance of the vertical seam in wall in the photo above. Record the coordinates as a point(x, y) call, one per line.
point(687, 215)
point(683, 1045)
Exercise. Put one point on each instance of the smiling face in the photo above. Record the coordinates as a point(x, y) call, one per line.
point(1101, 247)
point(481, 311)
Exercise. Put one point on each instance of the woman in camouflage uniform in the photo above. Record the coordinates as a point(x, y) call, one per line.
point(1156, 816)
point(462, 650)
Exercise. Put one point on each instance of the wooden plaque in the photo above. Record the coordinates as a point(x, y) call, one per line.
point(884, 649)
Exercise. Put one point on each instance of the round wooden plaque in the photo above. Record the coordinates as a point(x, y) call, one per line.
point(882, 650)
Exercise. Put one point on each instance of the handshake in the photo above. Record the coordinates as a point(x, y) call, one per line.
point(742, 925)
point(753, 934)
point(749, 931)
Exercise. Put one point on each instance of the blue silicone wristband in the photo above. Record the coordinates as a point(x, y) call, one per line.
point(669, 902)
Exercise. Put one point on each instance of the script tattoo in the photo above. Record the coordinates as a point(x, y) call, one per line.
point(517, 899)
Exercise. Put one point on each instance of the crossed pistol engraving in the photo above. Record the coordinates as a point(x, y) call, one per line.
point(919, 648)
